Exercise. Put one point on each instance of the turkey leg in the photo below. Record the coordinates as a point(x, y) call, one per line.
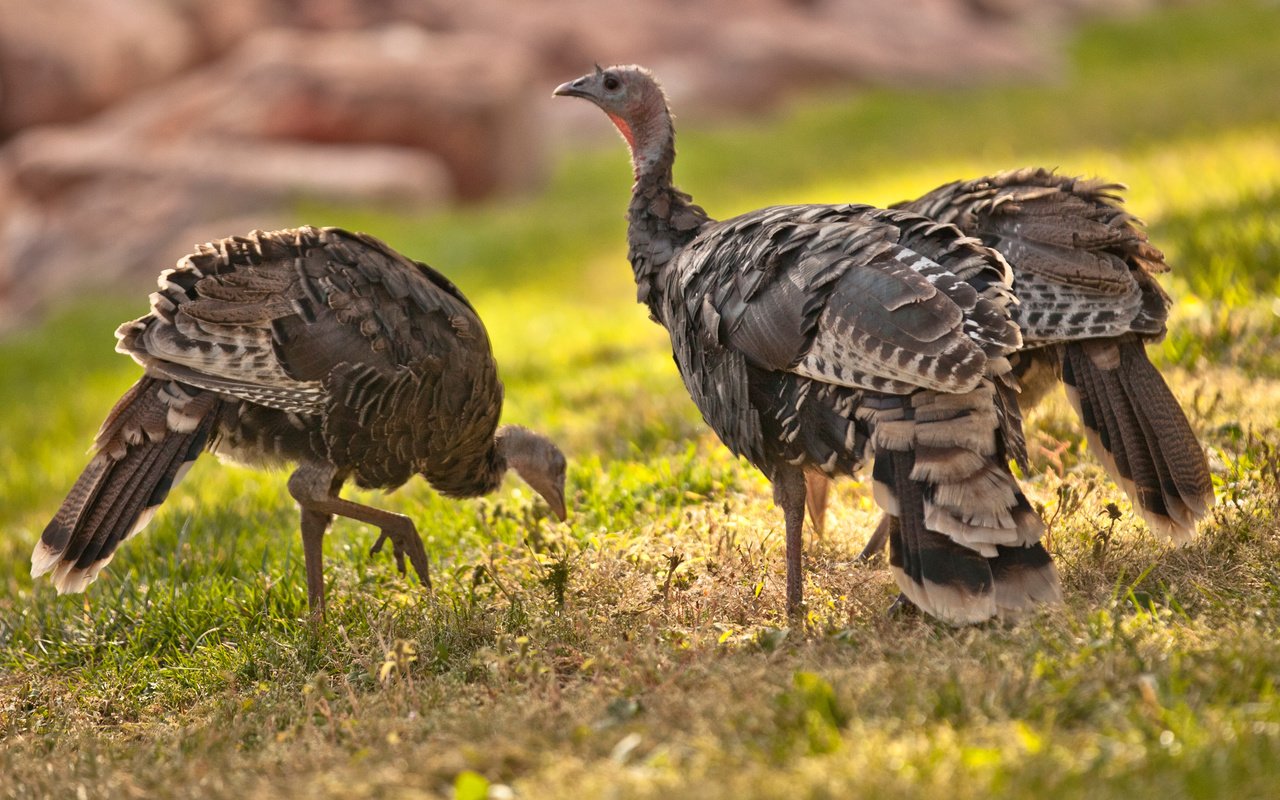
point(314, 526)
point(817, 487)
point(875, 545)
point(315, 487)
point(789, 494)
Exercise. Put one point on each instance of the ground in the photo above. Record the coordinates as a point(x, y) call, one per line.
point(640, 650)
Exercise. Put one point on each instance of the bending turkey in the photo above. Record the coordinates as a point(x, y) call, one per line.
point(809, 334)
point(1084, 273)
point(314, 346)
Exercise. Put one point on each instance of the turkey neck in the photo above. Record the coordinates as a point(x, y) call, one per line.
point(661, 218)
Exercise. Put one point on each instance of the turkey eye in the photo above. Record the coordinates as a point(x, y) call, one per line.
point(611, 83)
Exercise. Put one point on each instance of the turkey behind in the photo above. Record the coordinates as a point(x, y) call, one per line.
point(314, 346)
point(808, 335)
point(1084, 273)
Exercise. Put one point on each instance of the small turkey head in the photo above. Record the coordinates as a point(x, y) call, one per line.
point(537, 460)
point(633, 100)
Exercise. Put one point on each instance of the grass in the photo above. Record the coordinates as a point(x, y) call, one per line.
point(640, 650)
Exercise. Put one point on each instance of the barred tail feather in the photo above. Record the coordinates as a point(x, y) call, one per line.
point(1138, 431)
point(964, 542)
point(945, 579)
point(149, 440)
point(1024, 578)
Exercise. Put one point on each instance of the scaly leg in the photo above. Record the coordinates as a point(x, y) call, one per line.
point(316, 486)
point(789, 494)
point(314, 526)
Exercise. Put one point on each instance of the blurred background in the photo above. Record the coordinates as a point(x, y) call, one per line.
point(132, 129)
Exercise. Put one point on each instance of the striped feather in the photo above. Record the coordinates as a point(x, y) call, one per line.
point(1084, 273)
point(151, 437)
point(942, 474)
point(1137, 430)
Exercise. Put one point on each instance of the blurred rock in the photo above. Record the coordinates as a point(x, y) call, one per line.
point(90, 211)
point(389, 117)
point(221, 25)
point(757, 49)
point(62, 60)
point(49, 164)
point(11, 214)
point(465, 97)
point(204, 118)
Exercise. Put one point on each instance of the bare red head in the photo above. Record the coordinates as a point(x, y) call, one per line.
point(635, 102)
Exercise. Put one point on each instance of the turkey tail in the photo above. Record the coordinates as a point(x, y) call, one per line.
point(149, 440)
point(945, 579)
point(964, 542)
point(1139, 432)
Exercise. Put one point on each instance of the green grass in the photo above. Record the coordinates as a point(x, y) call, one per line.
point(640, 650)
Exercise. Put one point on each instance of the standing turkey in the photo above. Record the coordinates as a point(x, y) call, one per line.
point(807, 335)
point(314, 346)
point(1088, 301)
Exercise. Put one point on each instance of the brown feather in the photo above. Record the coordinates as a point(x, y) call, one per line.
point(1083, 270)
point(309, 345)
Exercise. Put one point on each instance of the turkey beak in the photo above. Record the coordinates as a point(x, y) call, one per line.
point(555, 499)
point(575, 88)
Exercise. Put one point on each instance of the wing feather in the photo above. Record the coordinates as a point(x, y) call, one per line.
point(853, 296)
point(1083, 266)
point(267, 318)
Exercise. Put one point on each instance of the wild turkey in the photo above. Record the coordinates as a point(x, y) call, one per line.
point(808, 334)
point(1084, 275)
point(314, 346)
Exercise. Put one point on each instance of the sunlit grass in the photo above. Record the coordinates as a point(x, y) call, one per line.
point(640, 650)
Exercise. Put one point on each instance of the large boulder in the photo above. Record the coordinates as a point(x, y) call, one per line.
point(63, 60)
point(83, 212)
point(466, 97)
point(389, 117)
point(48, 164)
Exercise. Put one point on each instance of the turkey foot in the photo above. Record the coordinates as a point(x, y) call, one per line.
point(901, 607)
point(405, 540)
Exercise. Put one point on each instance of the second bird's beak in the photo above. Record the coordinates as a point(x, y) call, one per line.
point(574, 88)
point(556, 501)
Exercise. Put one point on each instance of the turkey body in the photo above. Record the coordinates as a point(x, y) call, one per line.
point(316, 347)
point(327, 345)
point(1084, 274)
point(812, 337)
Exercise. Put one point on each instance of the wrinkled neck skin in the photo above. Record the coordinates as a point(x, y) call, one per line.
point(509, 448)
point(516, 448)
point(651, 137)
point(661, 218)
